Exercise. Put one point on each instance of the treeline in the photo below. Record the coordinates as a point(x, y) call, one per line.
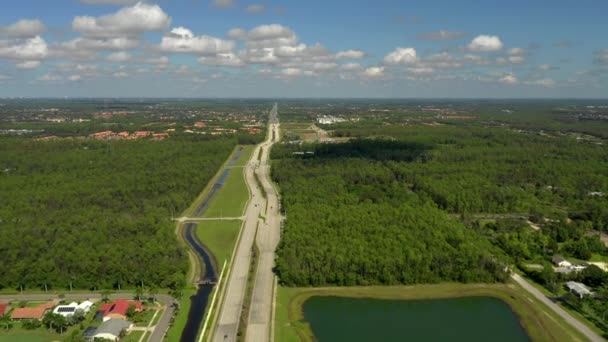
point(95, 215)
point(352, 221)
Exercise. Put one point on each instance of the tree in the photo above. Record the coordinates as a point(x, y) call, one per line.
point(139, 292)
point(153, 291)
point(593, 276)
point(131, 311)
point(6, 322)
point(105, 295)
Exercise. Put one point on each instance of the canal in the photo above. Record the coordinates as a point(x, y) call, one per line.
point(457, 319)
point(207, 262)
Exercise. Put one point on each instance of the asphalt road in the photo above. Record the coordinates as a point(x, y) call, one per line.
point(160, 328)
point(227, 324)
point(260, 312)
point(583, 329)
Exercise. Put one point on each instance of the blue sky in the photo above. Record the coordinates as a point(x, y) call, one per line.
point(231, 48)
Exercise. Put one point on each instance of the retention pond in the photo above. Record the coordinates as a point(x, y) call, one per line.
point(457, 319)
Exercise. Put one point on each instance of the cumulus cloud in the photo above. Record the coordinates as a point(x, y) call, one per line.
point(255, 8)
point(401, 56)
point(350, 54)
point(74, 78)
point(547, 67)
point(373, 72)
point(29, 49)
point(111, 2)
point(182, 40)
point(28, 65)
point(268, 32)
point(442, 35)
point(24, 28)
point(163, 60)
point(120, 74)
point(128, 21)
point(509, 79)
point(119, 57)
point(223, 3)
point(222, 59)
point(351, 67)
point(485, 43)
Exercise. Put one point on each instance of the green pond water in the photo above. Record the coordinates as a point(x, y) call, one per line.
point(459, 319)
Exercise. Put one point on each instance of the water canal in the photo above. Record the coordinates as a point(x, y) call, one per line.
point(457, 319)
point(208, 265)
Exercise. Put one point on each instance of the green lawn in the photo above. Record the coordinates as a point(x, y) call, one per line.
point(220, 237)
point(26, 337)
point(133, 336)
point(175, 331)
point(540, 322)
point(245, 156)
point(230, 200)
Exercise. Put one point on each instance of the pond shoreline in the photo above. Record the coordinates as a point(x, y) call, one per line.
point(537, 320)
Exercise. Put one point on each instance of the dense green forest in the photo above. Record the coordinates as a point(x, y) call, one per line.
point(96, 215)
point(352, 221)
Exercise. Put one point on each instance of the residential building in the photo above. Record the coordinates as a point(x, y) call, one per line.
point(70, 309)
point(108, 330)
point(118, 309)
point(579, 289)
point(3, 309)
point(560, 262)
point(37, 312)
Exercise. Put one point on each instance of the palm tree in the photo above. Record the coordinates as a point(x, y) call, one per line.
point(6, 322)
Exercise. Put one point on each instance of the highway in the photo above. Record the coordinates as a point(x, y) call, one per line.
point(583, 329)
point(227, 324)
point(159, 329)
point(260, 313)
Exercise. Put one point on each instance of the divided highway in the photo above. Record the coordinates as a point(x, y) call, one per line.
point(227, 324)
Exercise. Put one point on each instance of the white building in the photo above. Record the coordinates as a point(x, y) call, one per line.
point(111, 329)
point(579, 289)
point(561, 262)
point(70, 309)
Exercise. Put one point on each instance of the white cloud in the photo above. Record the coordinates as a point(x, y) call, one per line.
point(222, 59)
point(273, 31)
point(49, 77)
point(517, 59)
point(28, 65)
point(112, 2)
point(421, 70)
point(401, 56)
point(29, 49)
point(324, 66)
point(120, 74)
point(545, 82)
point(163, 60)
point(373, 72)
point(486, 43)
point(182, 40)
point(223, 3)
point(291, 72)
point(442, 35)
point(601, 56)
point(255, 8)
point(24, 28)
point(74, 78)
point(237, 33)
point(351, 67)
point(350, 54)
point(119, 57)
point(547, 67)
point(509, 79)
point(517, 52)
point(120, 43)
point(128, 21)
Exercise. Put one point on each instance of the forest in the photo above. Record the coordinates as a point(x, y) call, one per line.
point(352, 221)
point(87, 214)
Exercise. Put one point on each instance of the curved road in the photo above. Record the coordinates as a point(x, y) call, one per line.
point(227, 325)
point(160, 327)
point(583, 329)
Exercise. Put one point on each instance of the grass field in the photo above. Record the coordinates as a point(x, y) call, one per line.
point(230, 200)
point(219, 237)
point(247, 150)
point(133, 336)
point(540, 323)
point(26, 337)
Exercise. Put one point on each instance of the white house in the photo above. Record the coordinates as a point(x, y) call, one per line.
point(578, 288)
point(70, 309)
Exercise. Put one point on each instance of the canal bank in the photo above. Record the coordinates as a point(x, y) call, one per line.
point(538, 321)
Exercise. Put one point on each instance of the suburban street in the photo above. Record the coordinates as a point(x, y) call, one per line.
point(583, 329)
point(159, 329)
point(231, 306)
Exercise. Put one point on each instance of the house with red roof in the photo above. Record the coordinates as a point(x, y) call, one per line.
point(3, 309)
point(37, 312)
point(118, 309)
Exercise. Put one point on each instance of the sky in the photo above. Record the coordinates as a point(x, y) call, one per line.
point(304, 49)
